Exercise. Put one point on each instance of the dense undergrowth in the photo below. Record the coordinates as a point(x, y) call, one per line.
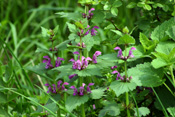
point(87, 58)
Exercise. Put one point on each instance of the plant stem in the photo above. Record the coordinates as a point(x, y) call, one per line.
point(58, 113)
point(172, 75)
point(127, 96)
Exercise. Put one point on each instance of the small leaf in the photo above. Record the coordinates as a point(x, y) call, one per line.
point(148, 7)
point(126, 39)
point(97, 93)
point(73, 101)
point(131, 5)
point(114, 11)
point(171, 110)
point(72, 27)
point(143, 111)
point(117, 3)
point(120, 87)
point(110, 109)
point(71, 16)
point(45, 32)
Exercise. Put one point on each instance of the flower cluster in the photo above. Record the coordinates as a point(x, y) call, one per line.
point(83, 63)
point(49, 65)
point(81, 91)
point(92, 31)
point(120, 55)
point(58, 88)
point(122, 78)
point(90, 14)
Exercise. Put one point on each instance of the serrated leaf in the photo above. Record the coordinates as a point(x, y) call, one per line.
point(171, 32)
point(126, 39)
point(97, 93)
point(120, 87)
point(71, 16)
point(3, 98)
point(110, 109)
point(146, 75)
point(73, 101)
point(52, 106)
point(146, 43)
point(143, 111)
point(98, 16)
point(159, 32)
point(44, 32)
point(89, 41)
point(72, 27)
point(171, 110)
point(114, 11)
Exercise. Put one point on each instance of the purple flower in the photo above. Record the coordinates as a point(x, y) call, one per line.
point(58, 61)
point(47, 60)
point(92, 9)
point(94, 106)
point(113, 67)
point(81, 89)
point(119, 51)
point(83, 45)
point(88, 88)
point(93, 31)
point(118, 75)
point(131, 53)
point(75, 90)
point(97, 53)
point(76, 52)
point(57, 89)
point(71, 76)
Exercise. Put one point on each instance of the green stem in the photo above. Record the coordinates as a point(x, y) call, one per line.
point(169, 89)
point(172, 75)
point(127, 96)
point(58, 113)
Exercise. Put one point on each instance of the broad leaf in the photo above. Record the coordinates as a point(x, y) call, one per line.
point(126, 39)
point(3, 113)
point(89, 41)
point(111, 109)
point(171, 110)
point(73, 101)
point(143, 111)
point(97, 93)
point(98, 17)
point(171, 32)
point(159, 32)
point(72, 27)
point(121, 87)
point(146, 75)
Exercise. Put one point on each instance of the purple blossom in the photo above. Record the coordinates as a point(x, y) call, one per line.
point(71, 76)
point(88, 88)
point(97, 53)
point(75, 90)
point(58, 61)
point(59, 88)
point(113, 67)
point(81, 90)
point(94, 106)
point(76, 52)
point(83, 45)
point(47, 60)
point(119, 51)
point(131, 53)
point(92, 9)
point(93, 31)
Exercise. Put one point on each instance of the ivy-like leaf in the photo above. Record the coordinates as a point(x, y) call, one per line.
point(171, 110)
point(73, 101)
point(120, 87)
point(126, 39)
point(159, 32)
point(143, 111)
point(110, 109)
point(146, 75)
point(97, 93)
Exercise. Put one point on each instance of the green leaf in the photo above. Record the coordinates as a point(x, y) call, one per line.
point(126, 39)
point(143, 111)
point(52, 106)
point(171, 32)
point(131, 5)
point(171, 110)
point(72, 27)
point(62, 45)
point(97, 93)
point(98, 17)
point(110, 109)
point(120, 87)
point(159, 32)
point(114, 11)
point(3, 113)
point(146, 75)
point(3, 98)
point(89, 41)
point(73, 101)
point(109, 57)
point(146, 43)
point(117, 32)
point(71, 16)
point(148, 7)
point(117, 3)
point(45, 32)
